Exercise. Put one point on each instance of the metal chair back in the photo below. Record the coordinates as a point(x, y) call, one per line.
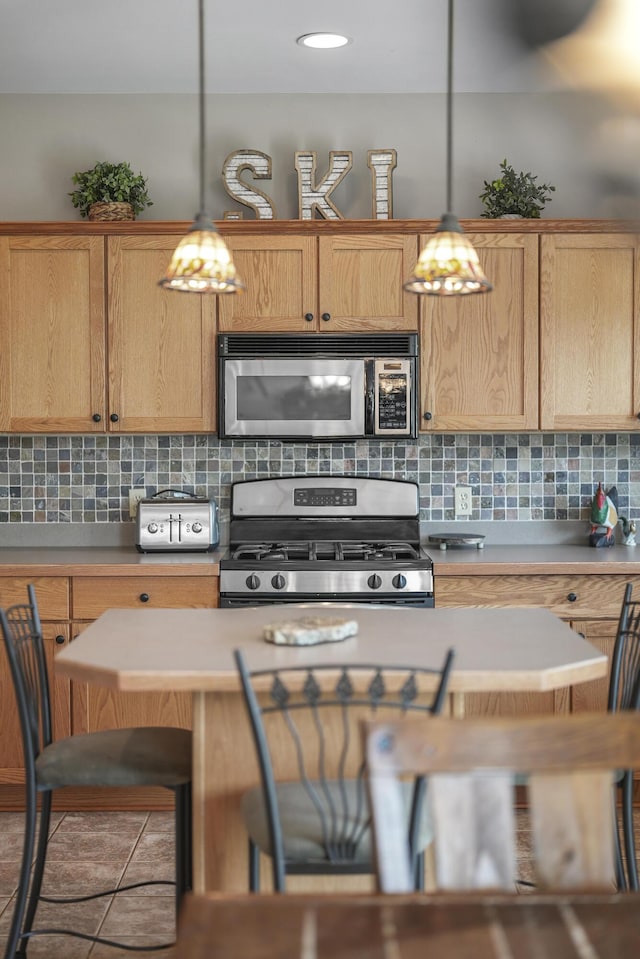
point(309, 716)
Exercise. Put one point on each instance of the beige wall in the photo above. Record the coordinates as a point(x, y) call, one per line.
point(46, 138)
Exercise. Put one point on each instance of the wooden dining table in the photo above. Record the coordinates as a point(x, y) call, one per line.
point(496, 650)
point(410, 927)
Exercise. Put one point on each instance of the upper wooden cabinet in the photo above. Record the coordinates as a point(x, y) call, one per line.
point(72, 360)
point(52, 334)
point(326, 283)
point(479, 353)
point(589, 336)
point(161, 344)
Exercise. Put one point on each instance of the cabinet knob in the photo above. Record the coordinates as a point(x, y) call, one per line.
point(572, 597)
point(638, 416)
point(428, 415)
point(326, 317)
point(144, 597)
point(114, 417)
point(309, 317)
point(60, 640)
point(96, 418)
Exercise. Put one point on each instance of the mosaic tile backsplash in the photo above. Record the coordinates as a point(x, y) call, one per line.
point(538, 476)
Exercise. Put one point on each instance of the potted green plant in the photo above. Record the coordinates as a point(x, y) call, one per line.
point(110, 191)
point(514, 194)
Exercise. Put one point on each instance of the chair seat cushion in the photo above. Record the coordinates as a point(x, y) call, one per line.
point(301, 825)
point(142, 756)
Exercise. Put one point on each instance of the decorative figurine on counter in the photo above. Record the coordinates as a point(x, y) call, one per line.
point(604, 517)
point(628, 531)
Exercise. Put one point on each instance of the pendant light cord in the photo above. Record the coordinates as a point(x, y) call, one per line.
point(449, 106)
point(201, 98)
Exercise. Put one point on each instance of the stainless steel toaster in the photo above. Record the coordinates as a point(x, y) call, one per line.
point(173, 521)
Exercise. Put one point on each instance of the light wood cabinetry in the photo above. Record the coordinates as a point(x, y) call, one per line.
point(161, 344)
point(53, 605)
point(480, 353)
point(590, 603)
point(590, 331)
point(601, 634)
point(52, 334)
point(97, 708)
point(67, 604)
point(298, 283)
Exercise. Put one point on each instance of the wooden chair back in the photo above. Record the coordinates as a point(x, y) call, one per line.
point(569, 762)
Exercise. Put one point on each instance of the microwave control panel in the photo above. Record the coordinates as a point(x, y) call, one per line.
point(392, 397)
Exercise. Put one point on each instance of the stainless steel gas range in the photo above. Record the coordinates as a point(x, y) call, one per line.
point(325, 539)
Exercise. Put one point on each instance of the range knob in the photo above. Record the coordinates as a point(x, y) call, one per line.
point(374, 582)
point(399, 581)
point(278, 581)
point(252, 581)
point(196, 527)
point(152, 528)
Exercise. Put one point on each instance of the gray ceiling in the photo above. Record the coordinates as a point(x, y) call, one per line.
point(150, 46)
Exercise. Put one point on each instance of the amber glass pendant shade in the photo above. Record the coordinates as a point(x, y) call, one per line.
point(202, 262)
point(448, 264)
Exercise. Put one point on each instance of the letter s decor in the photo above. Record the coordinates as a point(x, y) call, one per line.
point(381, 163)
point(260, 166)
point(312, 197)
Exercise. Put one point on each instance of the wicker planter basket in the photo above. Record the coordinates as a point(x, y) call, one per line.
point(111, 211)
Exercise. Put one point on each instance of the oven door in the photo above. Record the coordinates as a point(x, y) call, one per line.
point(292, 398)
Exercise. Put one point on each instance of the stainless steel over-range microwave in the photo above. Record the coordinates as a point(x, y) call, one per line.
point(329, 386)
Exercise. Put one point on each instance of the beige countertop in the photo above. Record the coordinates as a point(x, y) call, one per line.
point(496, 649)
point(104, 561)
point(492, 560)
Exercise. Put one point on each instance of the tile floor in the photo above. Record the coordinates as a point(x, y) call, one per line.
point(89, 852)
point(93, 851)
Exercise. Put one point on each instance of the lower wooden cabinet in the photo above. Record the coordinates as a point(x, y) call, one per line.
point(67, 605)
point(95, 707)
point(591, 696)
point(589, 603)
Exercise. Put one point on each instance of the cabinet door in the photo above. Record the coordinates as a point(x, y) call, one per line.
point(361, 281)
point(52, 335)
point(281, 278)
point(589, 340)
point(95, 707)
point(161, 344)
point(55, 636)
point(589, 697)
point(480, 353)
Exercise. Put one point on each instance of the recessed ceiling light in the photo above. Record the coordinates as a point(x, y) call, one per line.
point(323, 41)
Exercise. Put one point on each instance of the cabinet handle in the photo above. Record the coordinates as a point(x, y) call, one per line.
point(428, 415)
point(326, 317)
point(60, 640)
point(309, 318)
point(144, 597)
point(572, 597)
point(96, 418)
point(114, 417)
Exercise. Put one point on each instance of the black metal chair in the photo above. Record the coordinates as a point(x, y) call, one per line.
point(313, 817)
point(624, 693)
point(143, 756)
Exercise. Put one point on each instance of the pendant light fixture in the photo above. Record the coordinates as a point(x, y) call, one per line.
point(202, 262)
point(448, 265)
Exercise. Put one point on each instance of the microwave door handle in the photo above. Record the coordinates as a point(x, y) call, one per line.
point(370, 411)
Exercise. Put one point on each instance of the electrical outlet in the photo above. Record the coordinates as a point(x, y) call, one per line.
point(135, 495)
point(462, 500)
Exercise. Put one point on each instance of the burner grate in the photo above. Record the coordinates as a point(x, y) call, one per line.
point(337, 551)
